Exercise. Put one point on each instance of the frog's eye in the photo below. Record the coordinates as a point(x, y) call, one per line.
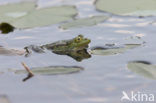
point(78, 39)
point(80, 36)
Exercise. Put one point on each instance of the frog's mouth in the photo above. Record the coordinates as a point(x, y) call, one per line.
point(83, 44)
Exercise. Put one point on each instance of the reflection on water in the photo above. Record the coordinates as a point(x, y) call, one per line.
point(29, 76)
point(77, 55)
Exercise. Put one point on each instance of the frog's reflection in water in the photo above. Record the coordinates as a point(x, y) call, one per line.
point(77, 55)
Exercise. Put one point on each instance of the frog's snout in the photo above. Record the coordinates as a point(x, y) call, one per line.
point(88, 40)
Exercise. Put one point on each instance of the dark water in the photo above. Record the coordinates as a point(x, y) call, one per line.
point(104, 77)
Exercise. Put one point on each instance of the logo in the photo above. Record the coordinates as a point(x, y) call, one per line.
point(137, 97)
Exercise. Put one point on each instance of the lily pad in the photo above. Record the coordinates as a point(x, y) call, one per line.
point(52, 70)
point(143, 68)
point(84, 22)
point(46, 16)
point(26, 15)
point(112, 50)
point(127, 7)
point(10, 12)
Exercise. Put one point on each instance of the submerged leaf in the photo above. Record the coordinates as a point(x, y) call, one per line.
point(143, 68)
point(112, 50)
point(46, 16)
point(10, 52)
point(4, 99)
point(52, 70)
point(127, 7)
point(6, 28)
point(1, 72)
point(84, 22)
point(10, 12)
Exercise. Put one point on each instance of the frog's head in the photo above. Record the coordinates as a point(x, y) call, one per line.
point(79, 42)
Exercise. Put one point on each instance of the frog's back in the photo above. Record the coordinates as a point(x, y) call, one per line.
point(58, 44)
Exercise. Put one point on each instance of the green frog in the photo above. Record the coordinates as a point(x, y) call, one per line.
point(75, 48)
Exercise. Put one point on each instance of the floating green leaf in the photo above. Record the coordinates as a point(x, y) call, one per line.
point(112, 50)
point(10, 12)
point(127, 7)
point(143, 68)
point(84, 22)
point(52, 70)
point(46, 16)
point(26, 15)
